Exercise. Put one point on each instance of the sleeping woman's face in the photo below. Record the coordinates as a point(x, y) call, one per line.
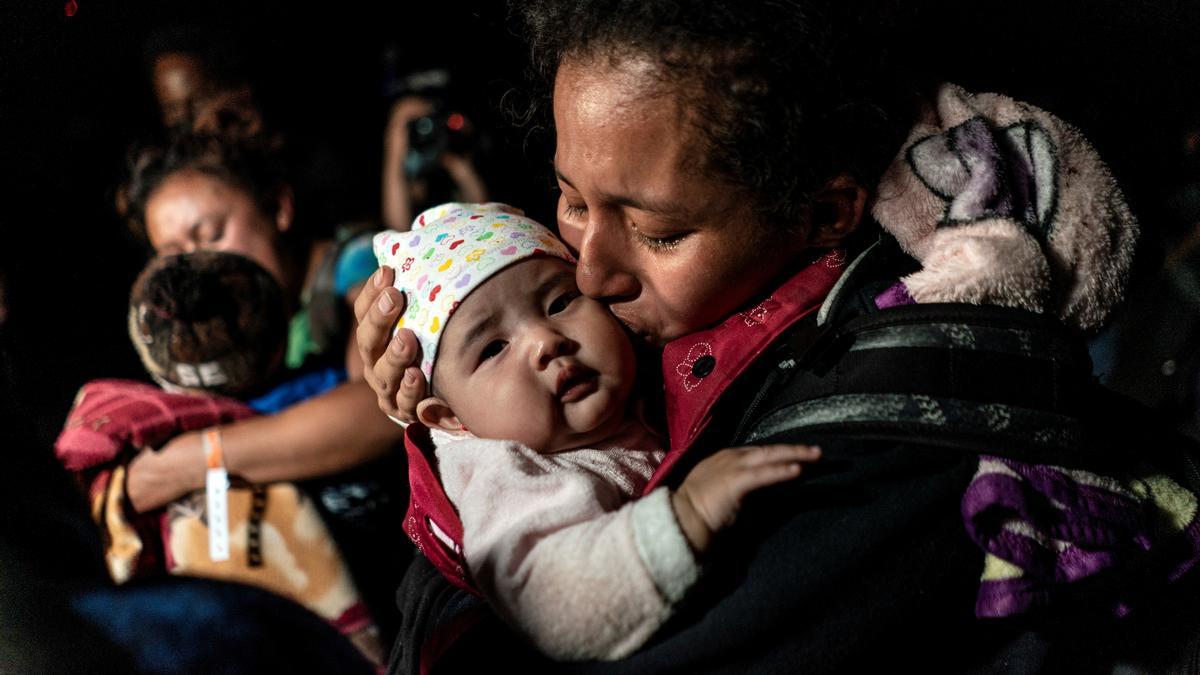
point(667, 245)
point(193, 211)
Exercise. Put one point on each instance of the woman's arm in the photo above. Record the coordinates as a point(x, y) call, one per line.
point(335, 431)
point(397, 203)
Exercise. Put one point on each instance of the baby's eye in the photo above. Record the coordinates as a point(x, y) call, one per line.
point(562, 302)
point(492, 349)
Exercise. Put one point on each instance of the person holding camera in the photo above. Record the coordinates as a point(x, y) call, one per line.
point(426, 160)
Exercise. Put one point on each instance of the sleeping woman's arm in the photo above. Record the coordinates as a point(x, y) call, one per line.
point(332, 432)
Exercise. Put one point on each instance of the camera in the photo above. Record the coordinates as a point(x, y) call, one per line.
point(444, 130)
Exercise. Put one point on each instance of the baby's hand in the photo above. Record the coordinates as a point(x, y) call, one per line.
point(712, 493)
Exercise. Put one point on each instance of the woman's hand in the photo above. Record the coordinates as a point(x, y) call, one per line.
point(710, 497)
point(389, 363)
point(159, 477)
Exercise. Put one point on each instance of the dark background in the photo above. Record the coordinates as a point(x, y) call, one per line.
point(74, 94)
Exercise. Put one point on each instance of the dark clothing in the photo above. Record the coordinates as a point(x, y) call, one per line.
point(193, 625)
point(1157, 340)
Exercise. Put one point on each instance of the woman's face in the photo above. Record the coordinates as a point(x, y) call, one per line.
point(180, 81)
point(667, 245)
point(193, 211)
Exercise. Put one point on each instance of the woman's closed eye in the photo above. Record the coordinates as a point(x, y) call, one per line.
point(209, 232)
point(661, 243)
point(573, 211)
point(658, 242)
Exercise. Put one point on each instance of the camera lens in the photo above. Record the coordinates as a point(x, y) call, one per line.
point(424, 126)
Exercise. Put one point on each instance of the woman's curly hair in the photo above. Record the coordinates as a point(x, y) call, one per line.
point(249, 164)
point(781, 94)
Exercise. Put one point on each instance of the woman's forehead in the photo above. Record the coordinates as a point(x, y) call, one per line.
point(196, 186)
point(619, 143)
point(608, 93)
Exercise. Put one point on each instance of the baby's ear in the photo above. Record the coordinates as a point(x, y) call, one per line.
point(435, 413)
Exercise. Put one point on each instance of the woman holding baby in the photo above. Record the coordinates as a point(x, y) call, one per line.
point(725, 174)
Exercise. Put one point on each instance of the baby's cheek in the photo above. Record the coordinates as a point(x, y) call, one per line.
point(505, 412)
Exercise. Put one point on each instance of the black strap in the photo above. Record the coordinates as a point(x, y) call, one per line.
point(955, 327)
point(910, 416)
point(982, 379)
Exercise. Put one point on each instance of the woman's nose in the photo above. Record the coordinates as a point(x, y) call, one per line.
point(603, 272)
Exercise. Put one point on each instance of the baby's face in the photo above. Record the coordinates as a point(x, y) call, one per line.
point(527, 357)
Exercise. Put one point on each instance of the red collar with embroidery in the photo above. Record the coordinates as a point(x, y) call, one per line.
point(699, 367)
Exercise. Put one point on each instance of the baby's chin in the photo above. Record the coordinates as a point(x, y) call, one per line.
point(586, 428)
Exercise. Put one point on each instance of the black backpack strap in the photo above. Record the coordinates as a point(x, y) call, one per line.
point(997, 429)
point(983, 379)
point(986, 380)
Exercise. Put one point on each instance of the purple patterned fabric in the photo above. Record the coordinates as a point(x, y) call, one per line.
point(1055, 526)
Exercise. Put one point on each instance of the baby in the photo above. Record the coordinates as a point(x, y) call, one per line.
point(210, 323)
point(213, 324)
point(544, 452)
